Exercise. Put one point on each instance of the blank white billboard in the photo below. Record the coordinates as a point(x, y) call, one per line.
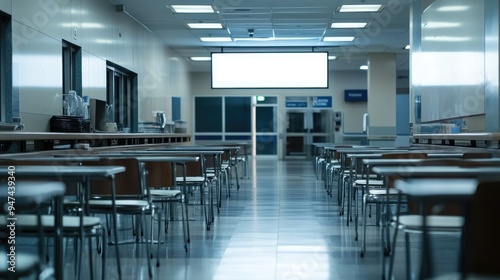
point(270, 70)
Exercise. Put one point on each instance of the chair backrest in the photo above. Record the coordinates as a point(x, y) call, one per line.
point(408, 155)
point(481, 232)
point(160, 174)
point(440, 208)
point(469, 155)
point(337, 156)
point(213, 161)
point(128, 184)
point(195, 169)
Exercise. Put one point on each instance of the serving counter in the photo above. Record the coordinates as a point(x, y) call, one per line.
point(480, 140)
point(19, 142)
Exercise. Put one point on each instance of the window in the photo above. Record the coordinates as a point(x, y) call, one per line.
point(72, 68)
point(9, 103)
point(238, 114)
point(122, 96)
point(208, 116)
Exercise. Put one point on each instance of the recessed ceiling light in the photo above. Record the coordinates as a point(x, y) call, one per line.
point(348, 25)
point(452, 8)
point(446, 39)
point(332, 57)
point(192, 9)
point(359, 8)
point(200, 58)
point(216, 39)
point(205, 25)
point(275, 39)
point(339, 39)
point(436, 24)
point(363, 67)
point(254, 39)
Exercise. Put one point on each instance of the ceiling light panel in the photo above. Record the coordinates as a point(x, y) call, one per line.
point(216, 39)
point(200, 58)
point(198, 9)
point(436, 24)
point(359, 8)
point(348, 25)
point(205, 25)
point(458, 8)
point(339, 39)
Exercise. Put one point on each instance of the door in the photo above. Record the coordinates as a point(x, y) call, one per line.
point(305, 127)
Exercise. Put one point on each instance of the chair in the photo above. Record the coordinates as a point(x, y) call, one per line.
point(73, 226)
point(440, 218)
point(25, 263)
point(195, 176)
point(334, 166)
point(382, 196)
point(163, 189)
point(481, 243)
point(226, 165)
point(132, 198)
point(234, 161)
point(30, 225)
point(214, 175)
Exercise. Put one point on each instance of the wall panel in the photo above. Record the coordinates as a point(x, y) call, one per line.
point(43, 16)
point(37, 75)
point(38, 57)
point(450, 68)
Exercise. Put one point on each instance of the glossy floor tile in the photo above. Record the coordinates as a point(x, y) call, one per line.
point(279, 225)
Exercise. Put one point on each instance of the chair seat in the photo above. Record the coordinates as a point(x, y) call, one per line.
point(30, 222)
point(191, 179)
point(382, 191)
point(121, 204)
point(433, 222)
point(370, 176)
point(164, 193)
point(362, 182)
point(379, 195)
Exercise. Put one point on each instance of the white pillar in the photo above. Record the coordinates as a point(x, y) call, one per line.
point(382, 99)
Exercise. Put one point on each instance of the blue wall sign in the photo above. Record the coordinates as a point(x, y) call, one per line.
point(355, 95)
point(322, 102)
point(296, 102)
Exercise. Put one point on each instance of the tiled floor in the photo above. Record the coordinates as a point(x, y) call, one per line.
point(279, 225)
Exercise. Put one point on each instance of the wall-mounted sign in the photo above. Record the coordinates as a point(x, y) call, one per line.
point(322, 102)
point(296, 102)
point(355, 95)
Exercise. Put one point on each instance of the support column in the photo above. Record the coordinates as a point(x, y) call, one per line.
point(491, 65)
point(382, 99)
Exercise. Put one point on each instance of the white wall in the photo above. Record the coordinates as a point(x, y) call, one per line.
point(104, 34)
point(339, 81)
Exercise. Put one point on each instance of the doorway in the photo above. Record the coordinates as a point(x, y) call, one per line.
point(305, 126)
